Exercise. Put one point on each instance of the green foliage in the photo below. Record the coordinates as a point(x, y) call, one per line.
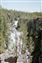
point(1, 34)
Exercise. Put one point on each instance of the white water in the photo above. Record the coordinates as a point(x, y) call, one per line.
point(15, 41)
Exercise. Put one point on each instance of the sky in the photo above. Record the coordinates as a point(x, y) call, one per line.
point(22, 5)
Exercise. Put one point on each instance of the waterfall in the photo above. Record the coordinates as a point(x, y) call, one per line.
point(15, 46)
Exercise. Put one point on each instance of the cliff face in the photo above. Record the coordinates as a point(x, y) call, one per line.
point(35, 31)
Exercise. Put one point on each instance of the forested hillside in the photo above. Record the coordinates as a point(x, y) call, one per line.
point(29, 23)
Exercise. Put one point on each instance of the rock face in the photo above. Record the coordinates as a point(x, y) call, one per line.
point(35, 30)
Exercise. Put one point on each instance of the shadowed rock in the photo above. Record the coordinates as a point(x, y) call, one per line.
point(11, 60)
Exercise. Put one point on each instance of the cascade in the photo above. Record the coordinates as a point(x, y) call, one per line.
point(15, 46)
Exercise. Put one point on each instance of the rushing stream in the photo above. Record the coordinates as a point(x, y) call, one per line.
point(15, 46)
